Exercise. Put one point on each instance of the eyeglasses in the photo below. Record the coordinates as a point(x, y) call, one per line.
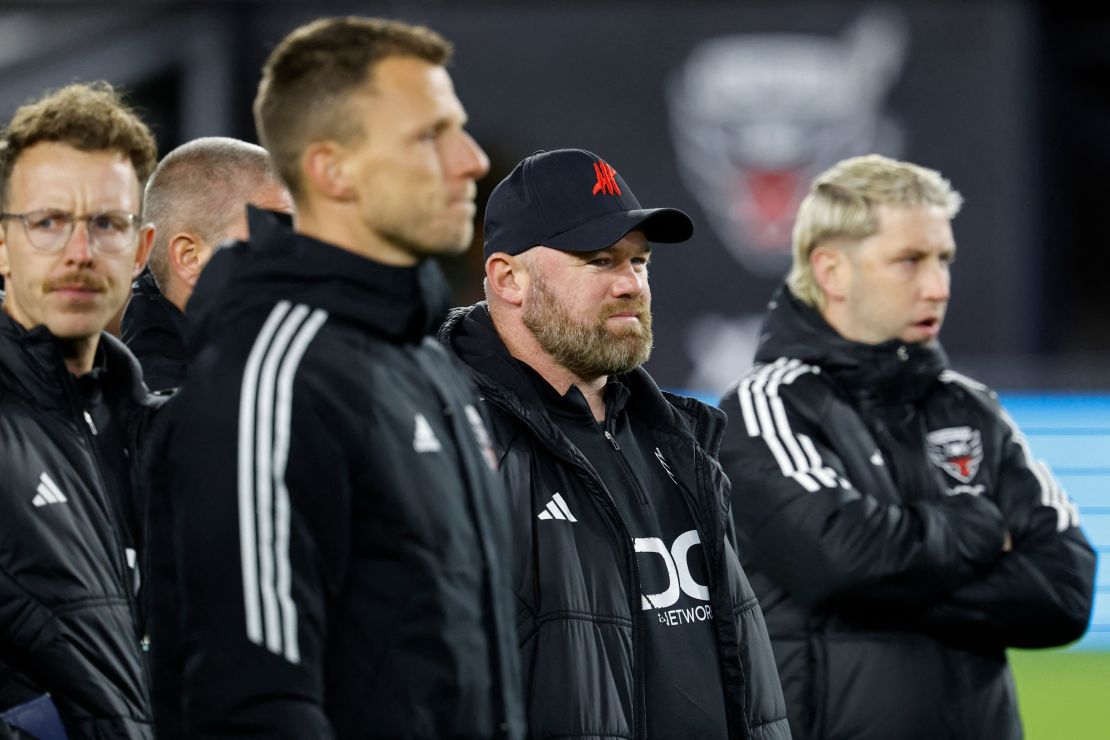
point(49, 230)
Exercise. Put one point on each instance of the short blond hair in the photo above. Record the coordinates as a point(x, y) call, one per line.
point(842, 203)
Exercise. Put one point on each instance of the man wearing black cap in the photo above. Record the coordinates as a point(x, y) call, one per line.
point(635, 617)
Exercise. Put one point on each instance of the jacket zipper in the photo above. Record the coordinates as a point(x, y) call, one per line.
point(640, 493)
point(89, 431)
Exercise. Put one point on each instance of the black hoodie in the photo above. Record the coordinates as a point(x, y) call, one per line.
point(873, 490)
point(331, 522)
point(68, 620)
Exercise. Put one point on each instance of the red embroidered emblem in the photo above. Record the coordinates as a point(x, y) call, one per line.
point(606, 183)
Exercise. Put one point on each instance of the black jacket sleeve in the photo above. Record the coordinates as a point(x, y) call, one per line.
point(1040, 593)
point(259, 492)
point(805, 524)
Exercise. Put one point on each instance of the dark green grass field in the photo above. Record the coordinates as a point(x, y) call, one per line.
point(1063, 695)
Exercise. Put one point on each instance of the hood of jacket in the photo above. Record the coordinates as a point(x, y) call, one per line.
point(890, 372)
point(470, 334)
point(400, 304)
point(149, 311)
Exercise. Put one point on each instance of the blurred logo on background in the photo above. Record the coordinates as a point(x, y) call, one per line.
point(756, 117)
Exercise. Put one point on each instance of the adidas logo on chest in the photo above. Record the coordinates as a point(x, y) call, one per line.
point(557, 509)
point(48, 493)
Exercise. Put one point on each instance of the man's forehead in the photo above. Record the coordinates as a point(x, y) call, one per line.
point(403, 80)
point(49, 166)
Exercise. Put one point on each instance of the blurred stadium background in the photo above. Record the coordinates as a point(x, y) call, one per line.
point(727, 110)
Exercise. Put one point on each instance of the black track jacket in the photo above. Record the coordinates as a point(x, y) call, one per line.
point(579, 610)
point(872, 491)
point(332, 561)
point(68, 618)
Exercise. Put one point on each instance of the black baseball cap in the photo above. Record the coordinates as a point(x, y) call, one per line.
point(572, 200)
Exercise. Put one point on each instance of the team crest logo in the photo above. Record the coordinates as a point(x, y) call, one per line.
point(756, 116)
point(957, 451)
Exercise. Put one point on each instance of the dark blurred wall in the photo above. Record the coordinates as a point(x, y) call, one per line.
point(725, 110)
point(1074, 77)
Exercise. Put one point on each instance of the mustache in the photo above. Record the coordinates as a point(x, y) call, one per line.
point(82, 280)
point(637, 305)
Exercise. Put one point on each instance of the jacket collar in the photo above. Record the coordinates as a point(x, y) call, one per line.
point(32, 366)
point(890, 372)
point(402, 304)
point(148, 309)
point(470, 334)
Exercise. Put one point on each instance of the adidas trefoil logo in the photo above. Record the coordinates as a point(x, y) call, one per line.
point(48, 492)
point(423, 438)
point(557, 509)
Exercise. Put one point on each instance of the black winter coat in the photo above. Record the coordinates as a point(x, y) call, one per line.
point(68, 618)
point(873, 489)
point(579, 610)
point(331, 531)
point(154, 330)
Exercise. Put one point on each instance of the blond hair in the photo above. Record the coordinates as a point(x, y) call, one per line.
point(842, 204)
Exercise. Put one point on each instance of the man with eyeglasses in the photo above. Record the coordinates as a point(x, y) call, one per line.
point(73, 408)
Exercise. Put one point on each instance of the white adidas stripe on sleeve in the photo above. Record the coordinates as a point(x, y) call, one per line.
point(765, 416)
point(265, 420)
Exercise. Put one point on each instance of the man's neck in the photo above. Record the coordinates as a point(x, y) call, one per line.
point(177, 293)
point(561, 379)
point(523, 346)
point(79, 354)
point(340, 226)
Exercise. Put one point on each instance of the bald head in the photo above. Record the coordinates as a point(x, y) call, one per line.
point(197, 198)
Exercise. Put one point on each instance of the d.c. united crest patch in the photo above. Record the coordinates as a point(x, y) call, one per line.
point(957, 451)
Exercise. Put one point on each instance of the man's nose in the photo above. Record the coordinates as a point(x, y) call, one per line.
point(631, 281)
point(470, 159)
point(78, 247)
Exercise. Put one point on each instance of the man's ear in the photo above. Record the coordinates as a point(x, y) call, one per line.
point(324, 165)
point(142, 254)
point(507, 277)
point(186, 257)
point(830, 270)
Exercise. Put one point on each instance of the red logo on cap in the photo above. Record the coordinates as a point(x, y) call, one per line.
point(606, 183)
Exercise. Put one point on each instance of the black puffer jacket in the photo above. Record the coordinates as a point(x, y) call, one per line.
point(330, 545)
point(154, 330)
point(68, 619)
point(579, 610)
point(873, 489)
